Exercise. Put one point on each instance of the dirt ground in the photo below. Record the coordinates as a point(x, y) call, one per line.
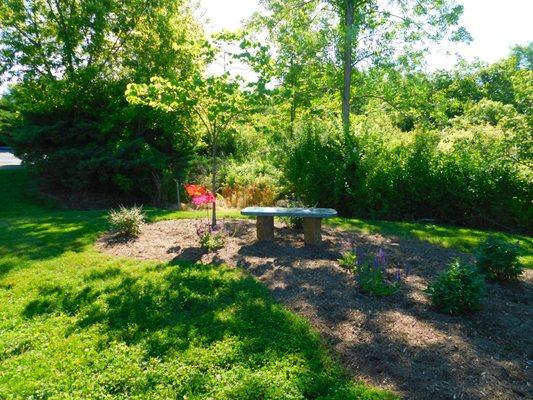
point(398, 343)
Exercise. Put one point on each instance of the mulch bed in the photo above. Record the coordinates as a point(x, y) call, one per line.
point(398, 343)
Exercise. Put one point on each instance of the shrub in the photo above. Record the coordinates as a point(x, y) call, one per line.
point(465, 174)
point(457, 290)
point(126, 221)
point(314, 164)
point(498, 260)
point(255, 182)
point(292, 222)
point(211, 238)
point(371, 276)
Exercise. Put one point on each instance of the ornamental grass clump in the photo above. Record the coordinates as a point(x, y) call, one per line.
point(126, 221)
point(498, 260)
point(458, 290)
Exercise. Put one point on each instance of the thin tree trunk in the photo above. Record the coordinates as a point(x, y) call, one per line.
point(347, 61)
point(214, 175)
point(293, 98)
point(293, 111)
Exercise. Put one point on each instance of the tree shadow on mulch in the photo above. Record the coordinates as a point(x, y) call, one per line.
point(400, 342)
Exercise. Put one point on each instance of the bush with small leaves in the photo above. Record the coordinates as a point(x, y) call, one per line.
point(211, 238)
point(348, 261)
point(498, 260)
point(458, 290)
point(126, 221)
point(295, 223)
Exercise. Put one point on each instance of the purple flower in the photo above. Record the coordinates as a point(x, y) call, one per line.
point(381, 256)
point(397, 276)
point(407, 270)
point(360, 256)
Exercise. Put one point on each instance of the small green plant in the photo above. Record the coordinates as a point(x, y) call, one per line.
point(458, 290)
point(372, 281)
point(371, 276)
point(498, 260)
point(295, 223)
point(211, 238)
point(126, 221)
point(348, 261)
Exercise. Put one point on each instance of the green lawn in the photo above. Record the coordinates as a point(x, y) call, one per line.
point(77, 324)
point(463, 239)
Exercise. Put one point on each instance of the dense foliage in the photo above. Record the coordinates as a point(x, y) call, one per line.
point(463, 174)
point(458, 290)
point(72, 123)
point(498, 260)
point(127, 118)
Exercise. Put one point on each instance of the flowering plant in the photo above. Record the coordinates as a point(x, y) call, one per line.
point(199, 194)
point(371, 277)
point(370, 271)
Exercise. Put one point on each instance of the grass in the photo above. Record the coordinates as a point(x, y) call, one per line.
point(463, 239)
point(78, 324)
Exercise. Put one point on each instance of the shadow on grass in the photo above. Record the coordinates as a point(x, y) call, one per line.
point(175, 309)
point(45, 236)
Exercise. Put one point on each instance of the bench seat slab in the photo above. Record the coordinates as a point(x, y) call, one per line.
point(289, 212)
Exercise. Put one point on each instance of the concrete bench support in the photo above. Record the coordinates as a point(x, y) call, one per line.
point(312, 221)
point(312, 231)
point(265, 228)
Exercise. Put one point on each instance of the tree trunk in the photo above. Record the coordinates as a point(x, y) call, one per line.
point(293, 99)
point(214, 175)
point(347, 61)
point(293, 112)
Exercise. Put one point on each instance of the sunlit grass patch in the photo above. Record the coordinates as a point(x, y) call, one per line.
point(76, 323)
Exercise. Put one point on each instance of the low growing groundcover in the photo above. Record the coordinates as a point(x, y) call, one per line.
point(78, 324)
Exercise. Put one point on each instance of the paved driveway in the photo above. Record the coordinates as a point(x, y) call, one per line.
point(7, 159)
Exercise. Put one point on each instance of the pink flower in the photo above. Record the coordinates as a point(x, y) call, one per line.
point(203, 199)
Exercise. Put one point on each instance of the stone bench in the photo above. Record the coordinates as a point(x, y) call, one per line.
point(312, 221)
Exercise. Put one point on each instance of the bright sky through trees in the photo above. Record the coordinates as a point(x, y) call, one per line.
point(494, 25)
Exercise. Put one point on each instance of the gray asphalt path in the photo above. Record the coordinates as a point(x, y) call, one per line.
point(7, 158)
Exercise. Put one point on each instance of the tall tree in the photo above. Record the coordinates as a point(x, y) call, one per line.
point(54, 39)
point(217, 101)
point(71, 61)
point(370, 32)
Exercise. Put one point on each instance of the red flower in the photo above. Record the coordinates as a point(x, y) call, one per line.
point(199, 194)
point(195, 190)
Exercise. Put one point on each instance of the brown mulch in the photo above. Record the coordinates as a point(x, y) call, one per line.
point(398, 343)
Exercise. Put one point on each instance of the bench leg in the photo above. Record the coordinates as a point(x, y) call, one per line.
point(312, 231)
point(265, 228)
